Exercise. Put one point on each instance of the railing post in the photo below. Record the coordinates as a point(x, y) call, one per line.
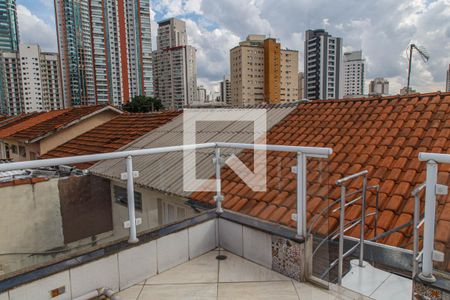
point(416, 232)
point(301, 194)
point(218, 198)
point(130, 201)
point(341, 235)
point(363, 222)
point(430, 216)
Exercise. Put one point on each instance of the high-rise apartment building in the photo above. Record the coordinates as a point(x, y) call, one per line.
point(174, 66)
point(106, 50)
point(262, 72)
point(9, 32)
point(31, 80)
point(11, 97)
point(201, 94)
point(447, 86)
point(379, 87)
point(323, 65)
point(353, 74)
point(41, 79)
point(225, 90)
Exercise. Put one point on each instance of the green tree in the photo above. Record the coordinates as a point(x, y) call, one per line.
point(143, 104)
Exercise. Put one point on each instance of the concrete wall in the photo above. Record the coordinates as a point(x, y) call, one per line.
point(30, 220)
point(62, 215)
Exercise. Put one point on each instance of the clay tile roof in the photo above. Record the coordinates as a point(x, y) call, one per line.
point(112, 135)
point(15, 124)
point(52, 121)
point(381, 135)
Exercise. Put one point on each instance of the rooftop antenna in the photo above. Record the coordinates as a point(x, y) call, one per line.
point(424, 56)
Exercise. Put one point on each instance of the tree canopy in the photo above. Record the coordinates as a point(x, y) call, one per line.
point(143, 104)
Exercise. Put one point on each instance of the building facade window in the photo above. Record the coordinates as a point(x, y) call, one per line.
point(121, 197)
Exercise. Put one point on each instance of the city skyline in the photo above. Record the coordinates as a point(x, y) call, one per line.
point(215, 27)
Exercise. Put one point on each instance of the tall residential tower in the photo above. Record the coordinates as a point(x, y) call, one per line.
point(262, 72)
point(106, 51)
point(9, 32)
point(353, 74)
point(323, 66)
point(31, 80)
point(225, 90)
point(174, 66)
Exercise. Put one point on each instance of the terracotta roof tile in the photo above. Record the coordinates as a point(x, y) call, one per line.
point(22, 122)
point(381, 135)
point(55, 120)
point(113, 135)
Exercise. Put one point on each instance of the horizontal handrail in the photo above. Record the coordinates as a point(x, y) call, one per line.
point(352, 224)
point(342, 180)
point(346, 254)
point(418, 189)
point(309, 151)
point(316, 217)
point(437, 157)
point(302, 154)
point(347, 204)
point(420, 223)
point(419, 256)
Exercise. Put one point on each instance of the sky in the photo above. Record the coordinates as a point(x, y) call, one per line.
point(382, 29)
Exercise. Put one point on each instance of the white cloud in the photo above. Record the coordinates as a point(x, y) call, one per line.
point(173, 8)
point(34, 30)
point(213, 48)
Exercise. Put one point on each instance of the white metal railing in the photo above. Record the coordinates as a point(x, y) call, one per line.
point(358, 195)
point(302, 154)
point(361, 221)
point(432, 189)
point(418, 222)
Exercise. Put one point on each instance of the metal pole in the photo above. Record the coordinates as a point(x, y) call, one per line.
point(341, 236)
point(430, 216)
point(409, 68)
point(377, 199)
point(218, 198)
point(130, 201)
point(301, 194)
point(363, 222)
point(416, 233)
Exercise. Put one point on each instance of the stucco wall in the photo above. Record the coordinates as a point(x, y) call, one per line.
point(28, 149)
point(30, 220)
